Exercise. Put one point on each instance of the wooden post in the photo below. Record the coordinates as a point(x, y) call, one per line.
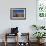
point(17, 39)
point(5, 39)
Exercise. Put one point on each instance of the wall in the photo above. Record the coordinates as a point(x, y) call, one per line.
point(24, 25)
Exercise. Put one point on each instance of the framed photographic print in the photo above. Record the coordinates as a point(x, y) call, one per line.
point(17, 13)
point(41, 8)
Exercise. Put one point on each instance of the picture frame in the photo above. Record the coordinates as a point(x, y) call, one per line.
point(17, 13)
point(41, 12)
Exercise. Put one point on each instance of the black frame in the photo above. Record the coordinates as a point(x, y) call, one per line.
point(17, 18)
